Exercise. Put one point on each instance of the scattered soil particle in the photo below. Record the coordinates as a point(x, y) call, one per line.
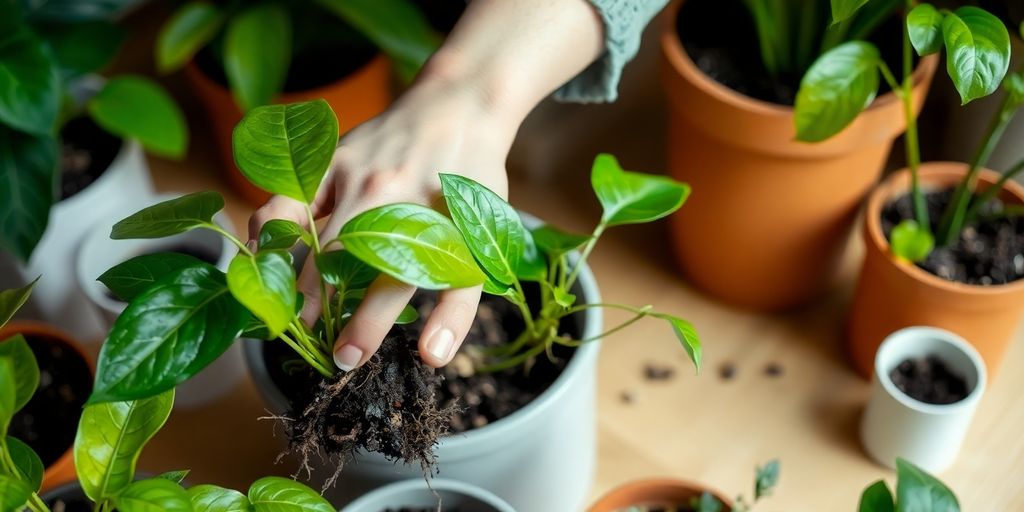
point(773, 370)
point(727, 371)
point(929, 380)
point(655, 372)
point(627, 397)
point(86, 153)
point(990, 252)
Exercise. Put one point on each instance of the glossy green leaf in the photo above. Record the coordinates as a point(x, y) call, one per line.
point(168, 334)
point(110, 438)
point(1014, 85)
point(136, 108)
point(925, 26)
point(493, 287)
point(492, 229)
point(12, 300)
point(413, 244)
point(210, 498)
point(279, 234)
point(14, 494)
point(837, 87)
point(917, 491)
point(27, 461)
point(26, 371)
point(257, 51)
point(175, 476)
point(556, 242)
point(407, 316)
point(82, 48)
point(706, 503)
point(910, 242)
point(276, 494)
point(977, 51)
point(190, 28)
point(170, 217)
point(344, 271)
point(155, 495)
point(29, 83)
point(686, 333)
point(877, 498)
point(128, 279)
point(533, 266)
point(564, 298)
point(844, 9)
point(632, 197)
point(28, 186)
point(8, 384)
point(286, 149)
point(265, 285)
point(765, 479)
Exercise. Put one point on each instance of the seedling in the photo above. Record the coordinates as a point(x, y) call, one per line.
point(765, 479)
point(844, 81)
point(915, 490)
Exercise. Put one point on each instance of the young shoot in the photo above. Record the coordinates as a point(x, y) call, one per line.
point(915, 490)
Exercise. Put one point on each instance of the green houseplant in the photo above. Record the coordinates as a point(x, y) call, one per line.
point(915, 490)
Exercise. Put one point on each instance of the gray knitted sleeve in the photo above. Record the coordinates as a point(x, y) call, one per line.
point(624, 22)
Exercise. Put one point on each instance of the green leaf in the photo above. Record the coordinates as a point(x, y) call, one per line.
point(189, 29)
point(128, 279)
point(210, 498)
point(837, 87)
point(344, 271)
point(632, 197)
point(26, 371)
point(556, 242)
point(265, 285)
point(155, 495)
point(877, 498)
point(170, 217)
point(532, 265)
point(12, 300)
point(168, 334)
point(909, 242)
point(977, 51)
point(413, 244)
point(276, 494)
point(706, 503)
point(136, 108)
point(110, 438)
point(1014, 85)
point(495, 288)
point(279, 234)
point(407, 316)
point(27, 462)
point(175, 476)
point(14, 494)
point(844, 9)
point(766, 478)
point(286, 149)
point(686, 333)
point(563, 298)
point(28, 186)
point(492, 229)
point(257, 51)
point(924, 24)
point(8, 383)
point(29, 85)
point(82, 48)
point(917, 491)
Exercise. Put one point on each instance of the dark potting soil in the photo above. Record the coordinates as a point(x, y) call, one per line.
point(70, 501)
point(721, 39)
point(929, 380)
point(49, 421)
point(86, 152)
point(990, 252)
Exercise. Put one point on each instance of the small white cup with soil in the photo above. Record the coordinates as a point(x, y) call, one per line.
point(439, 495)
point(928, 383)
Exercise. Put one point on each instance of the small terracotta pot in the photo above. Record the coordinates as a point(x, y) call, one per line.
point(769, 216)
point(63, 470)
point(356, 98)
point(654, 491)
point(892, 295)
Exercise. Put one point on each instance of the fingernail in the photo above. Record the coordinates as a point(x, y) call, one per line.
point(441, 344)
point(348, 357)
point(251, 245)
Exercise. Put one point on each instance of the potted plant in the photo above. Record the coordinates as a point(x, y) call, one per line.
point(942, 238)
point(916, 490)
point(668, 495)
point(41, 415)
point(417, 494)
point(544, 319)
point(238, 56)
point(70, 143)
point(773, 214)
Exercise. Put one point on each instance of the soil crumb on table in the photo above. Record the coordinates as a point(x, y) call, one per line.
point(929, 380)
point(657, 372)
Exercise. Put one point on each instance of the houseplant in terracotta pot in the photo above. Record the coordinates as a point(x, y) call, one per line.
point(916, 490)
point(542, 318)
point(70, 144)
point(773, 213)
point(237, 56)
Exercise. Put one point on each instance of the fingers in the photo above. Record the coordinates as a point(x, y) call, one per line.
point(448, 325)
point(365, 331)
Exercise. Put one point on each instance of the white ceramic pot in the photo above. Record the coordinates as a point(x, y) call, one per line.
point(415, 494)
point(539, 459)
point(896, 425)
point(98, 253)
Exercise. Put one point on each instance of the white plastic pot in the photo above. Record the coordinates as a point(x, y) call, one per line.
point(98, 253)
point(896, 425)
point(416, 494)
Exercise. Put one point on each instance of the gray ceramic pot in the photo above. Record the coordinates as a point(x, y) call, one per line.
point(416, 494)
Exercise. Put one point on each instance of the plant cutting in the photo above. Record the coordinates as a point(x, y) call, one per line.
point(915, 490)
point(731, 71)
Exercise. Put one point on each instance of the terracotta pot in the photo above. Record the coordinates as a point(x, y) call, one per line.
point(891, 295)
point(63, 470)
point(356, 98)
point(654, 491)
point(769, 216)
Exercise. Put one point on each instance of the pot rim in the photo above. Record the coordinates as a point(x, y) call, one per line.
point(646, 486)
point(929, 173)
point(954, 340)
point(436, 484)
point(680, 60)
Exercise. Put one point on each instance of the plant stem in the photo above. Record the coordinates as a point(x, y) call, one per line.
point(642, 312)
point(912, 142)
point(991, 192)
point(583, 307)
point(325, 301)
point(514, 361)
point(890, 79)
point(598, 231)
point(238, 243)
point(309, 358)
